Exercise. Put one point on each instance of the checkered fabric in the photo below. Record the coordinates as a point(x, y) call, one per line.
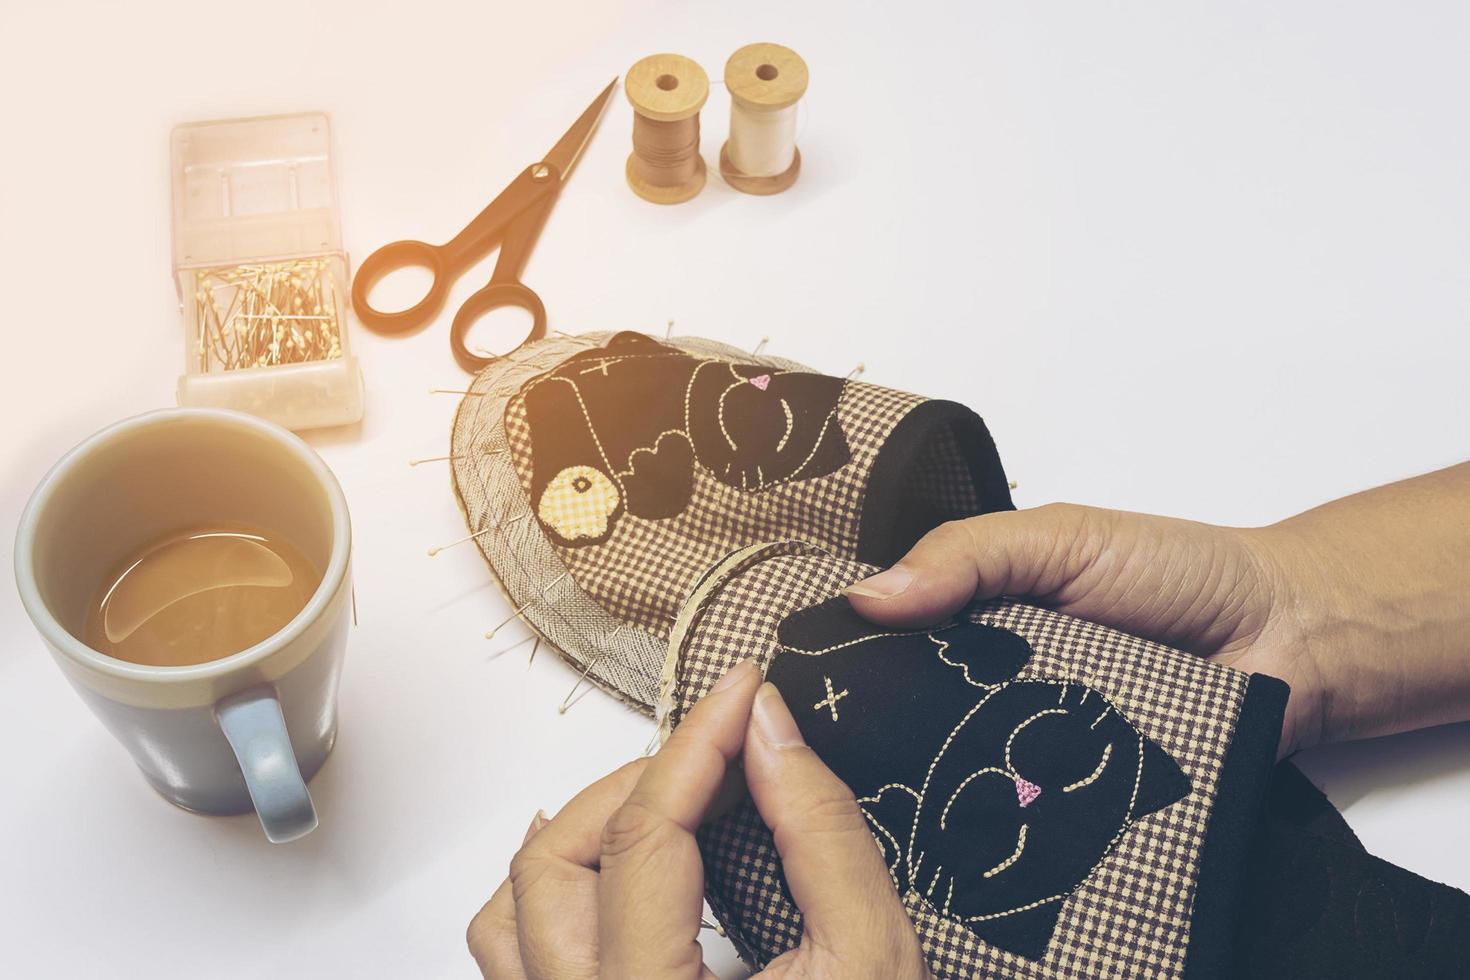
point(1129, 918)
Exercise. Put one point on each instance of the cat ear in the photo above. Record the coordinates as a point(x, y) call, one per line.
point(631, 340)
point(1162, 781)
point(986, 654)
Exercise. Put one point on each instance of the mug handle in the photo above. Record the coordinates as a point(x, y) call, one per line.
point(256, 729)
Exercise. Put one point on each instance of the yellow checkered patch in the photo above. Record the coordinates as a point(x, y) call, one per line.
point(578, 502)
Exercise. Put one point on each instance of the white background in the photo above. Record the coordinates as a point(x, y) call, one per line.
point(1203, 262)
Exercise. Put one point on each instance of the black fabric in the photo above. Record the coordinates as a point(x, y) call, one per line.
point(621, 427)
point(1315, 904)
point(892, 520)
point(991, 797)
point(1239, 797)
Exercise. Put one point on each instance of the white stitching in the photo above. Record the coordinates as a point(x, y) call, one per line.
point(944, 814)
point(1089, 780)
point(1015, 855)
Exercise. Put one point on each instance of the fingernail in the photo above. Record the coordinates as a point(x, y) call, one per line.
point(734, 675)
point(884, 585)
point(773, 720)
point(537, 822)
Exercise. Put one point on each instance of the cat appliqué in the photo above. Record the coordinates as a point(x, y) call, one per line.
point(620, 429)
point(992, 798)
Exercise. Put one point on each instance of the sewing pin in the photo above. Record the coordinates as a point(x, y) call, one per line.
point(430, 459)
point(468, 537)
point(855, 372)
point(532, 658)
point(504, 650)
point(669, 330)
point(456, 391)
point(567, 701)
point(760, 346)
point(648, 749)
point(522, 607)
point(1013, 484)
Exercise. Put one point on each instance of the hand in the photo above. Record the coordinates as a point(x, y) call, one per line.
point(613, 886)
point(1360, 605)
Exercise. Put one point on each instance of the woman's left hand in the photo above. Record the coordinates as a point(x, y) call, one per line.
point(613, 886)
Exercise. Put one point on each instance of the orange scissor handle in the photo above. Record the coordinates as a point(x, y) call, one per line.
point(495, 296)
point(390, 258)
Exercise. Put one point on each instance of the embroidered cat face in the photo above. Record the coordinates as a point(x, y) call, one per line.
point(992, 798)
point(622, 427)
point(1029, 792)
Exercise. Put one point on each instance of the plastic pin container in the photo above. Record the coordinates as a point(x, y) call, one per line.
point(261, 272)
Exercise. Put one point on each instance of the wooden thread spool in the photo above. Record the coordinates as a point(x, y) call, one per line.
point(765, 82)
point(666, 91)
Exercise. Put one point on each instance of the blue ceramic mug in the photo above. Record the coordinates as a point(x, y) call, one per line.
point(242, 732)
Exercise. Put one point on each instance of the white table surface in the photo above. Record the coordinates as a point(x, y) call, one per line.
point(1211, 263)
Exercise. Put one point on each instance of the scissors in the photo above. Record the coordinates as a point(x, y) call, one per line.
point(513, 219)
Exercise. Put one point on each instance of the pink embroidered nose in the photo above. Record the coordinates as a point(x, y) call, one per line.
point(761, 381)
point(1026, 791)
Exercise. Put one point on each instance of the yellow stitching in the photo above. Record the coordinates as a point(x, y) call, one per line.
point(943, 646)
point(1063, 696)
point(587, 417)
point(1024, 908)
point(1137, 781)
point(652, 449)
point(1015, 855)
point(877, 797)
point(934, 881)
point(884, 831)
point(790, 425)
point(720, 416)
point(817, 442)
point(1100, 717)
point(1088, 781)
point(944, 814)
point(1017, 730)
point(830, 701)
point(928, 776)
point(950, 896)
point(847, 643)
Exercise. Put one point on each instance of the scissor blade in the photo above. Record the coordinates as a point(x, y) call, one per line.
point(564, 154)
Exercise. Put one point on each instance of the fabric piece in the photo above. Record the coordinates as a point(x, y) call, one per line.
point(712, 462)
point(994, 798)
point(597, 532)
point(1317, 905)
point(1132, 914)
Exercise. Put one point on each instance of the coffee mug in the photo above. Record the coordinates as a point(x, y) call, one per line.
point(241, 732)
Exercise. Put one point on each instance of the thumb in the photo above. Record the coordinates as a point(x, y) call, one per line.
point(1037, 553)
point(850, 908)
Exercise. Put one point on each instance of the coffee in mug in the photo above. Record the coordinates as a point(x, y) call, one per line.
point(199, 594)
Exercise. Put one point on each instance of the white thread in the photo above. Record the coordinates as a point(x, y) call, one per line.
point(964, 668)
point(790, 425)
point(1015, 855)
point(762, 144)
point(944, 814)
point(878, 797)
point(1089, 780)
point(1017, 730)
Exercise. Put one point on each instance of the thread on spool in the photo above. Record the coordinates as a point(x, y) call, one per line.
point(666, 153)
point(666, 92)
point(766, 83)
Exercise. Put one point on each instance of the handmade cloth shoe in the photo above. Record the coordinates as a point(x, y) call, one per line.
point(1052, 798)
point(603, 474)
